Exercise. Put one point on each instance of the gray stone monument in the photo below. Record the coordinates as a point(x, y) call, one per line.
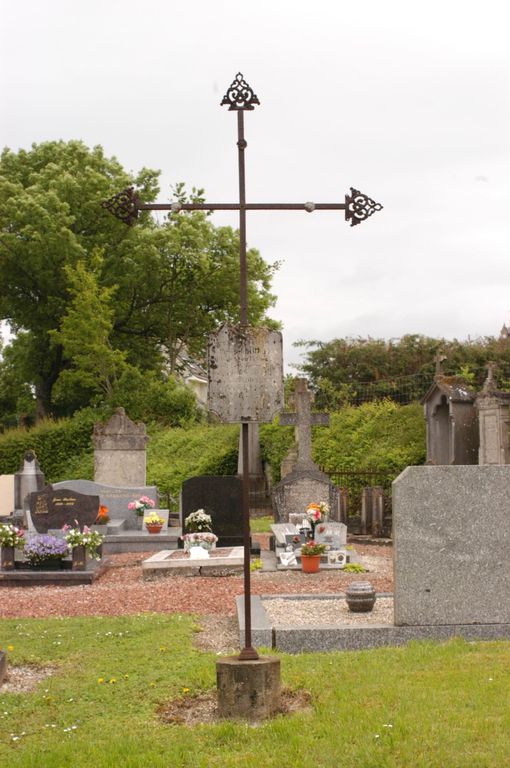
point(305, 483)
point(493, 419)
point(451, 422)
point(245, 369)
point(451, 529)
point(26, 481)
point(120, 451)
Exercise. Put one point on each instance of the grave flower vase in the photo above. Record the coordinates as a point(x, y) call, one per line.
point(79, 558)
point(153, 528)
point(310, 563)
point(7, 558)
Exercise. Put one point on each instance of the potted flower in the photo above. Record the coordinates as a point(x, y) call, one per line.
point(81, 544)
point(204, 539)
point(198, 522)
point(154, 523)
point(45, 552)
point(311, 553)
point(11, 538)
point(316, 513)
point(140, 507)
point(102, 520)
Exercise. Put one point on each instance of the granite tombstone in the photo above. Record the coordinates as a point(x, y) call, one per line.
point(220, 497)
point(51, 509)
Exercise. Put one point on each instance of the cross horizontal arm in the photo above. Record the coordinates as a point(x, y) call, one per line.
point(236, 207)
point(126, 205)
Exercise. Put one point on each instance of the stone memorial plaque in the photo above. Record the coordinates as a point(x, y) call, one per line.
point(51, 508)
point(221, 498)
point(245, 371)
point(334, 535)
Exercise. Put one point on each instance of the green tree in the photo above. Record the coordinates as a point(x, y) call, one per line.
point(157, 288)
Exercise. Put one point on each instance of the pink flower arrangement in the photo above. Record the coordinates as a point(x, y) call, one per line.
point(141, 504)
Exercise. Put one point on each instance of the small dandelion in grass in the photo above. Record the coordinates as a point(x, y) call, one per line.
point(126, 677)
point(10, 647)
point(185, 690)
point(100, 680)
point(112, 680)
point(152, 684)
point(162, 648)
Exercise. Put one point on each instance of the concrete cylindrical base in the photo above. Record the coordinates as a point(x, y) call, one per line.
point(248, 690)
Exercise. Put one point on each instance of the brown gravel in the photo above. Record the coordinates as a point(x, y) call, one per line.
point(121, 590)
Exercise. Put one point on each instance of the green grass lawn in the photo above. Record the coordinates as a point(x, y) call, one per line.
point(424, 705)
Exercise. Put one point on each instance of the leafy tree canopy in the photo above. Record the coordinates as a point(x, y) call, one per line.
point(90, 299)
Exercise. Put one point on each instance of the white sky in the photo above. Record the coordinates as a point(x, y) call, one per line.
point(406, 101)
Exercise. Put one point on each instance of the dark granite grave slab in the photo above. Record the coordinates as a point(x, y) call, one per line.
point(64, 578)
point(52, 508)
point(221, 498)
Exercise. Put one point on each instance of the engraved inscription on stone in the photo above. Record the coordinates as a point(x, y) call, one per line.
point(245, 370)
point(52, 508)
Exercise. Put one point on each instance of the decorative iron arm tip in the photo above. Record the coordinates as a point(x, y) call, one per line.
point(124, 205)
point(359, 207)
point(239, 96)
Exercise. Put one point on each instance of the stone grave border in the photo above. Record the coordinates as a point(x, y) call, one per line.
point(328, 637)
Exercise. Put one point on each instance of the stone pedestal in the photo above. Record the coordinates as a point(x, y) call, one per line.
point(248, 690)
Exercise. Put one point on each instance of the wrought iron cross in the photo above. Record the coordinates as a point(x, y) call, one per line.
point(358, 207)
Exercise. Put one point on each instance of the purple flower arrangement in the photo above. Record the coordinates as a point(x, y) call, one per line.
point(44, 547)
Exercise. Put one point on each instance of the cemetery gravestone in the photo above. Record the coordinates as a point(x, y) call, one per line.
point(220, 497)
point(493, 418)
point(51, 509)
point(116, 499)
point(306, 483)
point(451, 541)
point(120, 451)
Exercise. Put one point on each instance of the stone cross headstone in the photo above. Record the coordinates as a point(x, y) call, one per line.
point(120, 451)
point(52, 508)
point(303, 420)
point(305, 483)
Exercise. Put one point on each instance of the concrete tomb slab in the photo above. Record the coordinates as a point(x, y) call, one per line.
point(221, 561)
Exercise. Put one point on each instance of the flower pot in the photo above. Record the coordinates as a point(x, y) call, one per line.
point(360, 596)
point(79, 558)
point(310, 563)
point(7, 558)
point(153, 528)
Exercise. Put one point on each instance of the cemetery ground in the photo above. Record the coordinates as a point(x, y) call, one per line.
point(122, 673)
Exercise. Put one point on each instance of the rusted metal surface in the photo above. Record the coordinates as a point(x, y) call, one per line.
point(239, 96)
point(124, 205)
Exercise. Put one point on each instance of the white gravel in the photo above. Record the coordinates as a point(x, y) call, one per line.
point(312, 612)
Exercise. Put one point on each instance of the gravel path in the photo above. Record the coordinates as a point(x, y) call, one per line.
point(121, 590)
point(310, 613)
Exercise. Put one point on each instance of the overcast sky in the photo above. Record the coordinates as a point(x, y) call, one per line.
point(406, 101)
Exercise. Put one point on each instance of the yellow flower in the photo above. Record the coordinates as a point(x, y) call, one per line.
point(185, 690)
point(126, 677)
point(152, 684)
point(100, 680)
point(10, 647)
point(112, 680)
point(162, 648)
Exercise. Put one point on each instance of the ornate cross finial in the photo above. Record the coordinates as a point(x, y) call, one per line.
point(124, 205)
point(240, 96)
point(359, 207)
point(439, 358)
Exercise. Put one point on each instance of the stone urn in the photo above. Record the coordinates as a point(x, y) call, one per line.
point(360, 596)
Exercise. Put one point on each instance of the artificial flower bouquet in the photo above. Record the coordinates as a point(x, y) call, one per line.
point(198, 522)
point(87, 538)
point(141, 505)
point(311, 548)
point(12, 536)
point(317, 513)
point(153, 519)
